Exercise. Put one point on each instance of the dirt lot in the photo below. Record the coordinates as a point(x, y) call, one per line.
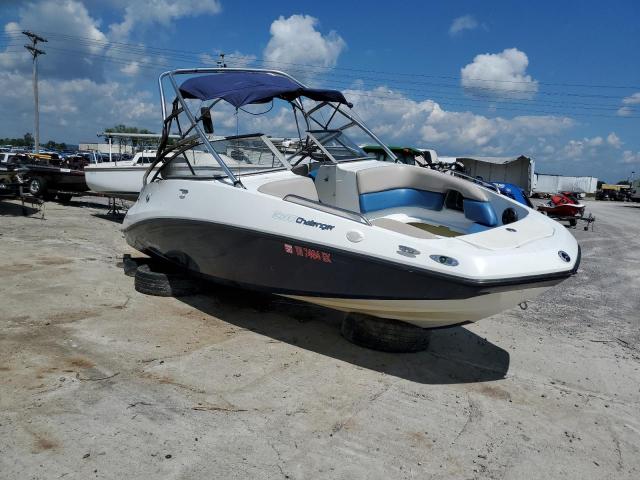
point(98, 381)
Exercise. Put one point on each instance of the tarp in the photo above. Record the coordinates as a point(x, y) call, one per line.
point(243, 88)
point(517, 170)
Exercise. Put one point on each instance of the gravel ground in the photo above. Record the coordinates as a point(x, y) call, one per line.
point(98, 381)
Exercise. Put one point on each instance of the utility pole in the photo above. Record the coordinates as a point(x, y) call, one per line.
point(34, 51)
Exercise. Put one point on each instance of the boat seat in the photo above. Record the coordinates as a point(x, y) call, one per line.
point(399, 227)
point(480, 212)
point(379, 179)
point(400, 197)
point(394, 186)
point(300, 186)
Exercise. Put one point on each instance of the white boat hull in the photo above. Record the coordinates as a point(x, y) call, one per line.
point(430, 313)
point(121, 182)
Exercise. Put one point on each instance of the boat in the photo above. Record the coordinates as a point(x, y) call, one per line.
point(328, 224)
point(123, 179)
point(49, 177)
point(563, 206)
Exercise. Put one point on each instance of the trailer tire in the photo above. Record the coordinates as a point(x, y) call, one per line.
point(162, 281)
point(573, 222)
point(38, 187)
point(384, 334)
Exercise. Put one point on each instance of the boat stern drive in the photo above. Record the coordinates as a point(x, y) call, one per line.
point(317, 219)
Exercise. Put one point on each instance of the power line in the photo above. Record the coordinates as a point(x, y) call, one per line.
point(480, 92)
point(111, 44)
point(505, 107)
point(487, 95)
point(152, 65)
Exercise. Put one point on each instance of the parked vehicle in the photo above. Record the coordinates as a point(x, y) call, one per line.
point(6, 157)
point(50, 181)
point(10, 180)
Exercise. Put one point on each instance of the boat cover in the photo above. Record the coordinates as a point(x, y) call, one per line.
point(243, 88)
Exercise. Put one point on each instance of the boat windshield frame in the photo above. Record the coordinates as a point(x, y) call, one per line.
point(193, 134)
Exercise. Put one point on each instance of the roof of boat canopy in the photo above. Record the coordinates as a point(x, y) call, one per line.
point(242, 88)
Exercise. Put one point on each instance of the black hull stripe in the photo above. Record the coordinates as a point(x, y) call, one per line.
point(259, 261)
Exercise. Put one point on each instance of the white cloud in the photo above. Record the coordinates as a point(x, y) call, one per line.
point(499, 76)
point(69, 17)
point(73, 110)
point(466, 22)
point(131, 69)
point(594, 156)
point(629, 105)
point(614, 140)
point(295, 40)
point(630, 157)
point(586, 148)
point(624, 112)
point(398, 119)
point(163, 12)
point(632, 99)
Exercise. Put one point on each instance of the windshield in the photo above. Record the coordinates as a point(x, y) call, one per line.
point(329, 145)
point(243, 155)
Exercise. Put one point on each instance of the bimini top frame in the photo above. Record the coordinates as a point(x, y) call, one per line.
point(240, 87)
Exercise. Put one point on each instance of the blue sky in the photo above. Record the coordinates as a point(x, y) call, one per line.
point(466, 78)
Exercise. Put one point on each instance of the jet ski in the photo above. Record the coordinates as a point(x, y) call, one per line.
point(564, 206)
point(324, 222)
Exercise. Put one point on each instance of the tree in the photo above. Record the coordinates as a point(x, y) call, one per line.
point(28, 139)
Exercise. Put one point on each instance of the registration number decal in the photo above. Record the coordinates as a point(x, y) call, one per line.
point(310, 253)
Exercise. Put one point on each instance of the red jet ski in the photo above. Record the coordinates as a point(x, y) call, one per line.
point(564, 206)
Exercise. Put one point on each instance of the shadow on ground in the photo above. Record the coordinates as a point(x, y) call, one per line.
point(112, 217)
point(456, 355)
point(10, 209)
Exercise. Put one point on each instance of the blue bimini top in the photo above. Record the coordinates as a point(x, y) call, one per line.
point(243, 88)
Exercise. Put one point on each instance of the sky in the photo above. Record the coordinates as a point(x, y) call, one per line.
point(556, 81)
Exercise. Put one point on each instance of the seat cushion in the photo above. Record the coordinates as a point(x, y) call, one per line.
point(480, 212)
point(400, 197)
point(300, 186)
point(391, 177)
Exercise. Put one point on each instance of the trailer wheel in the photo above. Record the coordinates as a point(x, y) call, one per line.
point(384, 335)
point(163, 281)
point(573, 222)
point(38, 187)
